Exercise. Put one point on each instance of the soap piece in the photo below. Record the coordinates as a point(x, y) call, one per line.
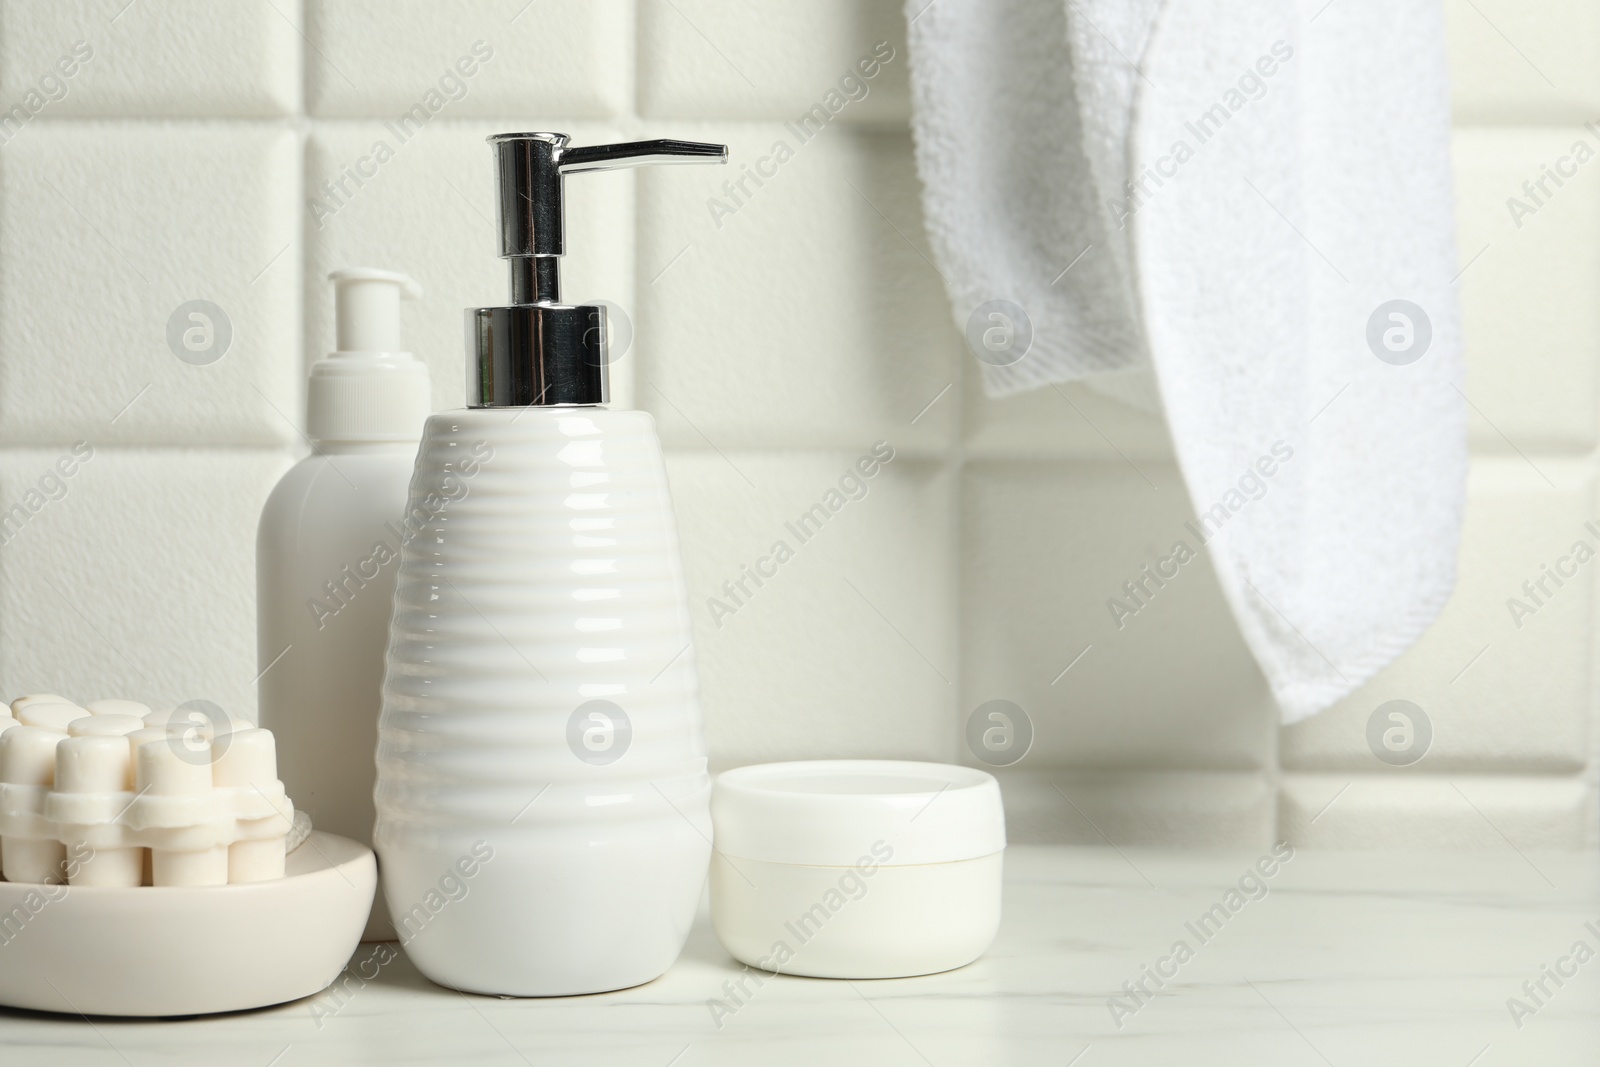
point(55, 717)
point(36, 861)
point(172, 770)
point(118, 707)
point(169, 771)
point(92, 765)
point(28, 758)
point(104, 725)
point(178, 716)
point(118, 796)
point(206, 724)
point(145, 735)
point(36, 698)
point(189, 729)
point(98, 765)
point(250, 759)
point(142, 737)
point(159, 718)
point(201, 867)
point(135, 739)
point(250, 762)
point(109, 726)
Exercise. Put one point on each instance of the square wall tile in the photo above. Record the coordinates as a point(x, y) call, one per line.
point(1045, 551)
point(149, 284)
point(1494, 813)
point(426, 206)
point(777, 59)
point(1501, 682)
point(390, 58)
point(792, 303)
point(823, 602)
point(134, 574)
point(1174, 809)
point(1531, 259)
point(1514, 62)
point(173, 59)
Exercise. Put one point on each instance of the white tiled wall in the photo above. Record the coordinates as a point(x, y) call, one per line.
point(230, 151)
point(1511, 764)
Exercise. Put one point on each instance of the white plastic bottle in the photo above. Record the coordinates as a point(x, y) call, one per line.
point(327, 551)
point(543, 805)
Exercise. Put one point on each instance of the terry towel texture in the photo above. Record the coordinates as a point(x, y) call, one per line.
point(1248, 201)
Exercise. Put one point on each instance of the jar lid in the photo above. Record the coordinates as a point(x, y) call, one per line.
point(838, 813)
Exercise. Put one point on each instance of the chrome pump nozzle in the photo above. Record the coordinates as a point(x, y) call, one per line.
point(537, 350)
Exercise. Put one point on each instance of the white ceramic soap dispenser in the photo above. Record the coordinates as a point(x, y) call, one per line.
point(327, 551)
point(543, 804)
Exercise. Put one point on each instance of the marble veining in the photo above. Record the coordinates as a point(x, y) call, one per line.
point(1345, 959)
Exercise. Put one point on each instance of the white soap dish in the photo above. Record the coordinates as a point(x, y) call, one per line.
point(187, 950)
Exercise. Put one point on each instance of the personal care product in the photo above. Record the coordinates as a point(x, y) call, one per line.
point(327, 551)
point(856, 868)
point(177, 798)
point(543, 822)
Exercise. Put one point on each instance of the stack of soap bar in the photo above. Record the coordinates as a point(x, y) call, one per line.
point(114, 794)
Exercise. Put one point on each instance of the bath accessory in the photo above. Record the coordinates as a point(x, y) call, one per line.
point(326, 554)
point(56, 717)
point(118, 707)
point(540, 700)
point(36, 698)
point(856, 868)
point(108, 798)
point(1109, 179)
point(186, 950)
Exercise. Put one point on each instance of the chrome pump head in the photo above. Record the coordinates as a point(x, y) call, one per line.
point(539, 351)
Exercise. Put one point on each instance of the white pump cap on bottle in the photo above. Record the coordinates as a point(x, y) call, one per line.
point(368, 390)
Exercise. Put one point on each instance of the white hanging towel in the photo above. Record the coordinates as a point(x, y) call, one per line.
point(1249, 201)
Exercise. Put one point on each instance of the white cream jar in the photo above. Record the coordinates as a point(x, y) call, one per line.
point(856, 868)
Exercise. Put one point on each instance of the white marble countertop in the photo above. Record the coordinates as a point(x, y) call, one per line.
point(1358, 959)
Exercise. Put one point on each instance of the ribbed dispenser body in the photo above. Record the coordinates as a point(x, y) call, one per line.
point(543, 804)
